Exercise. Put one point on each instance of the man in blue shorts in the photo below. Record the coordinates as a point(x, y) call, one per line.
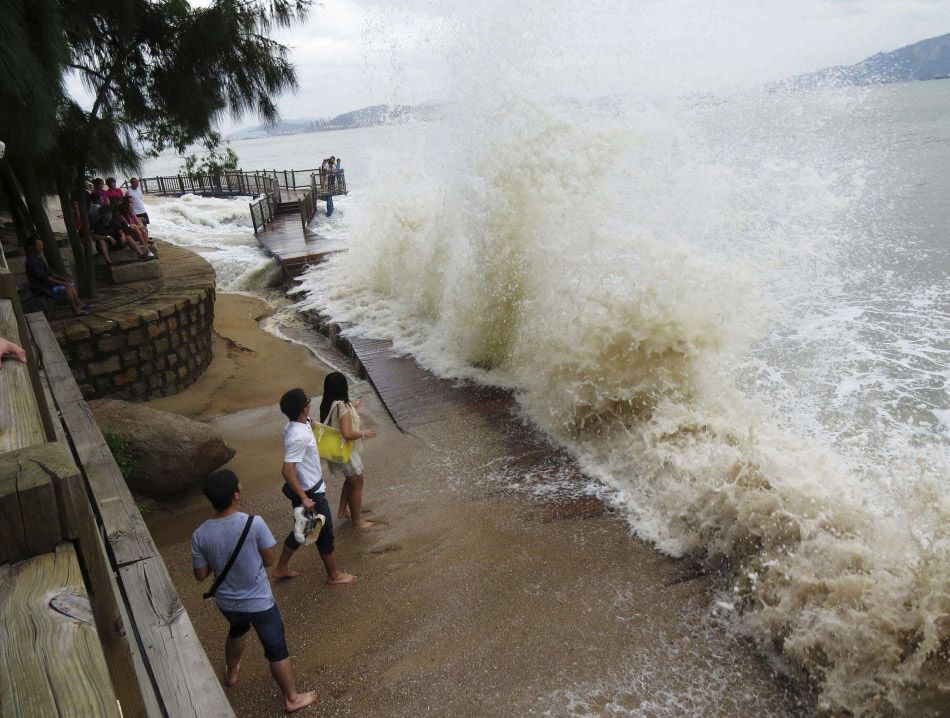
point(304, 486)
point(244, 596)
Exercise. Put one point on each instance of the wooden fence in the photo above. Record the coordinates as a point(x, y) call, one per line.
point(90, 622)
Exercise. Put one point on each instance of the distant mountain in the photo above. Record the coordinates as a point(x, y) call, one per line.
point(924, 60)
point(364, 117)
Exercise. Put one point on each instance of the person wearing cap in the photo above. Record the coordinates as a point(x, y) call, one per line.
point(304, 486)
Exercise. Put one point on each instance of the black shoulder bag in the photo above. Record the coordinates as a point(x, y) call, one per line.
point(227, 567)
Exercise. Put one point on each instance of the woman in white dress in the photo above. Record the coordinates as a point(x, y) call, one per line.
point(337, 411)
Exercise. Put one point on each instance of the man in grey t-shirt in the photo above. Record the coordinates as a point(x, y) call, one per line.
point(244, 596)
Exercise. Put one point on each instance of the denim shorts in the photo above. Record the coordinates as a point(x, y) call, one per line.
point(268, 625)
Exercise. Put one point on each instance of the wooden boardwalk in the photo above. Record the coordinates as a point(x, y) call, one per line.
point(295, 247)
point(412, 395)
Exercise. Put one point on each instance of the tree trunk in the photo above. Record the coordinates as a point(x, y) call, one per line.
point(18, 210)
point(81, 257)
point(34, 202)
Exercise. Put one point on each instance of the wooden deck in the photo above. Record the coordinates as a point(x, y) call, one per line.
point(285, 239)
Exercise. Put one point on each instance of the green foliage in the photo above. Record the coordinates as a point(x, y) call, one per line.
point(218, 158)
point(122, 455)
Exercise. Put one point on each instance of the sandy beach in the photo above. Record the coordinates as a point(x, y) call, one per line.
point(474, 598)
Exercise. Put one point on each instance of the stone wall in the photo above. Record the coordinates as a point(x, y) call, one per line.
point(147, 339)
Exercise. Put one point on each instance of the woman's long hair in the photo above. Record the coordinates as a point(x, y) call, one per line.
point(335, 388)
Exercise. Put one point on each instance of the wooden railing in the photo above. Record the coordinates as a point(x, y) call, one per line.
point(308, 208)
point(265, 186)
point(84, 587)
point(263, 210)
point(228, 183)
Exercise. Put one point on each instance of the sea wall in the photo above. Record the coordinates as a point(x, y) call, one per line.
point(145, 339)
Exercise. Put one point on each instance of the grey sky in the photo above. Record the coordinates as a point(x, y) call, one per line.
point(353, 53)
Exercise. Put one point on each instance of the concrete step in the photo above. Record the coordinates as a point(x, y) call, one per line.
point(136, 271)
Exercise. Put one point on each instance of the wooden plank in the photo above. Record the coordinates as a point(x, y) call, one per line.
point(52, 662)
point(20, 421)
point(127, 669)
point(172, 661)
point(179, 663)
point(28, 507)
point(128, 536)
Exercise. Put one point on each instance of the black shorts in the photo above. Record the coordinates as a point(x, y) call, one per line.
point(325, 539)
point(143, 218)
point(269, 627)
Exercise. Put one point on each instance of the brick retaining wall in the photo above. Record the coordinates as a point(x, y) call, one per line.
point(147, 339)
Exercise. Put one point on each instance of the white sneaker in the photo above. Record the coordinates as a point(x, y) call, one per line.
point(307, 526)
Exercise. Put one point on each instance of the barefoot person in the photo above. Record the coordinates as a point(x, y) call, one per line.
point(304, 486)
point(244, 596)
point(336, 411)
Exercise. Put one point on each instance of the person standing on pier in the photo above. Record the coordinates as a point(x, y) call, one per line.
point(304, 486)
point(237, 547)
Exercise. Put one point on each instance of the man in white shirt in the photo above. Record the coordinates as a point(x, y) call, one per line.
point(138, 205)
point(304, 486)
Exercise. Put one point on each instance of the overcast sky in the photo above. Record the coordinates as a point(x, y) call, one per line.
point(354, 53)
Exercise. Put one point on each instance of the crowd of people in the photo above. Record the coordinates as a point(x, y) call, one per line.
point(117, 219)
point(241, 588)
point(331, 178)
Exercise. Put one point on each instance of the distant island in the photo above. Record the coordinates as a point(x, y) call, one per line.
point(925, 60)
point(364, 117)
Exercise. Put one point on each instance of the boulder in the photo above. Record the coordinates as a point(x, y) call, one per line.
point(169, 453)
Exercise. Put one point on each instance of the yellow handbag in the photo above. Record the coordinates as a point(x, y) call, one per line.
point(331, 445)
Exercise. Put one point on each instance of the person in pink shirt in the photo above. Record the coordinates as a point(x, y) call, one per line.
point(99, 192)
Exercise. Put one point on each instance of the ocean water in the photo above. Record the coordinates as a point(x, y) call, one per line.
point(732, 307)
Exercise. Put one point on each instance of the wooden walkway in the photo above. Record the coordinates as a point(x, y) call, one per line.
point(412, 395)
point(285, 239)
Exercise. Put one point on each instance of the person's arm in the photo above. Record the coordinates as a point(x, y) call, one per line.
point(265, 542)
point(268, 556)
point(199, 563)
point(346, 429)
point(8, 347)
point(289, 472)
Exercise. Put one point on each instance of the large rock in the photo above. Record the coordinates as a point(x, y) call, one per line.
point(170, 453)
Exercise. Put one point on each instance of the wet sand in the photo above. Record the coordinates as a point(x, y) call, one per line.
point(475, 598)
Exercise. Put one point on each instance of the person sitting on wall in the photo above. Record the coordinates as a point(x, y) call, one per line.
point(134, 192)
point(113, 193)
point(112, 230)
point(99, 192)
point(134, 224)
point(44, 283)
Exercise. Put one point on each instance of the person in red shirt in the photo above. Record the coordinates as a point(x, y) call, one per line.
point(113, 193)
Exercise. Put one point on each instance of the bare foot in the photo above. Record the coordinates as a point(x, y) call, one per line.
point(286, 573)
point(303, 700)
point(343, 515)
point(366, 524)
point(341, 579)
point(231, 678)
